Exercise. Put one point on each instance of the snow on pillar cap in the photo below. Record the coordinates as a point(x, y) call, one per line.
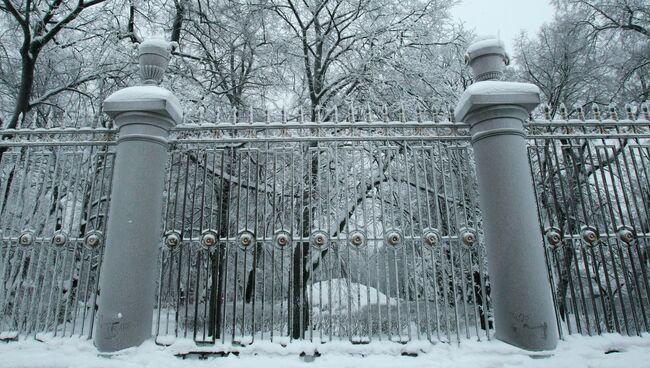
point(153, 56)
point(487, 57)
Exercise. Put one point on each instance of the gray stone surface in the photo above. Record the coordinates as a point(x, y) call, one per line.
point(487, 57)
point(144, 116)
point(521, 294)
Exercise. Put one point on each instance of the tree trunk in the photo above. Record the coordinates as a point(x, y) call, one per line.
point(216, 294)
point(301, 254)
point(24, 93)
point(178, 20)
point(215, 318)
point(299, 280)
point(26, 83)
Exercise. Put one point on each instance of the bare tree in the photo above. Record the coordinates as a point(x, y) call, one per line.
point(606, 15)
point(565, 65)
point(341, 45)
point(226, 50)
point(594, 51)
point(40, 22)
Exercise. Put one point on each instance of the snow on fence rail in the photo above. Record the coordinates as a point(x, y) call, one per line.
point(355, 230)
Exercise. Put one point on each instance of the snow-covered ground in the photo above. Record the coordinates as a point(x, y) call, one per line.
point(574, 352)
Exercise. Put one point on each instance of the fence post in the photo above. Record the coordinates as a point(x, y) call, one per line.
point(521, 294)
point(144, 116)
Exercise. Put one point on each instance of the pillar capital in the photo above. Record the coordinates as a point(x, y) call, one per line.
point(148, 99)
point(487, 94)
point(487, 58)
point(154, 100)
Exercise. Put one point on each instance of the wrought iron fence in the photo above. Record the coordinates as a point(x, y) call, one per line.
point(327, 231)
point(54, 186)
point(593, 194)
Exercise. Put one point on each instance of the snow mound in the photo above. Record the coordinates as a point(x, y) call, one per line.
point(337, 295)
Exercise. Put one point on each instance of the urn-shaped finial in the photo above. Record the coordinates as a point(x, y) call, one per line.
point(154, 54)
point(487, 57)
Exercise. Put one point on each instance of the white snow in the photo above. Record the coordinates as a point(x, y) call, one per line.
point(483, 42)
point(8, 335)
point(142, 93)
point(573, 352)
point(360, 296)
point(500, 88)
point(496, 92)
point(144, 98)
point(158, 41)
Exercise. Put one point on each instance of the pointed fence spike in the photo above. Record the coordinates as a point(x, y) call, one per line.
point(629, 112)
point(595, 109)
point(581, 113)
point(336, 114)
point(402, 113)
point(644, 109)
point(547, 111)
point(368, 113)
point(613, 113)
point(563, 112)
point(201, 113)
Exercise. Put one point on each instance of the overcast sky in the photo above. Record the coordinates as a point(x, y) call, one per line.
point(504, 17)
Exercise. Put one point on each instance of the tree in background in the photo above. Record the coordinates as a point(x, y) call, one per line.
point(564, 65)
point(367, 51)
point(592, 52)
point(54, 27)
point(228, 49)
point(622, 24)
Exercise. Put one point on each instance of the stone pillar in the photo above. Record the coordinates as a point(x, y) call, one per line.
point(524, 315)
point(144, 116)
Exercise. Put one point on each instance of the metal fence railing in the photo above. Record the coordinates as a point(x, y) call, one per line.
point(54, 187)
point(357, 231)
point(323, 232)
point(593, 194)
